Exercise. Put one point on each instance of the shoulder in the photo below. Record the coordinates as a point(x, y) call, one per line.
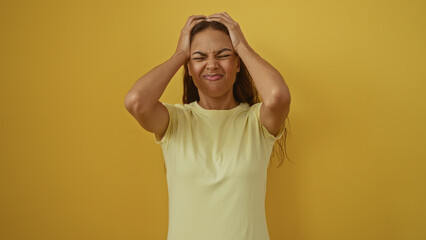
point(176, 115)
point(178, 106)
point(271, 126)
point(255, 109)
point(176, 109)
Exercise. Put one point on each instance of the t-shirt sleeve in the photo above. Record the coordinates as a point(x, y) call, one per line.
point(171, 125)
point(265, 133)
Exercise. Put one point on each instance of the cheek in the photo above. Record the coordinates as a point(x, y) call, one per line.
point(195, 69)
point(229, 65)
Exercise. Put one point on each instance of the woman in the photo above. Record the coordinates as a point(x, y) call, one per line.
point(217, 144)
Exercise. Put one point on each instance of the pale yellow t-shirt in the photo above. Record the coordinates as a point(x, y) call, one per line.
point(216, 164)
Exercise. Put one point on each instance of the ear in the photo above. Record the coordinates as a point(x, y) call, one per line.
point(189, 70)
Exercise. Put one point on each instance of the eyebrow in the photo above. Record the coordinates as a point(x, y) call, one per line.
point(219, 52)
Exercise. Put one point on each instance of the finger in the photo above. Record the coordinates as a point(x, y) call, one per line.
point(192, 18)
point(199, 17)
point(196, 16)
point(196, 21)
point(221, 15)
point(191, 24)
point(220, 19)
point(214, 15)
point(226, 14)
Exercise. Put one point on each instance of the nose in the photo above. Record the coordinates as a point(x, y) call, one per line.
point(211, 63)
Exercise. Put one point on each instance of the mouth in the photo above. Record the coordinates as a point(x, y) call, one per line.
point(213, 77)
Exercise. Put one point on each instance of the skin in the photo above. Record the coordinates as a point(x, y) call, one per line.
point(217, 94)
point(143, 99)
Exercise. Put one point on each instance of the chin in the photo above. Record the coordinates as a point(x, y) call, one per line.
point(215, 92)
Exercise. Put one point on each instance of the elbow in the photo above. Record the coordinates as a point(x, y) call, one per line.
point(278, 99)
point(282, 98)
point(135, 104)
point(132, 102)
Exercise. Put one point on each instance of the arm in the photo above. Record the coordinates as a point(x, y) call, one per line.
point(147, 91)
point(269, 82)
point(142, 101)
point(272, 88)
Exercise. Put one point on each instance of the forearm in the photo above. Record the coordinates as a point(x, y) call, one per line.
point(146, 92)
point(269, 82)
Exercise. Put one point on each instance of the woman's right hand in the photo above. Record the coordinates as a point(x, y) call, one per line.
point(183, 45)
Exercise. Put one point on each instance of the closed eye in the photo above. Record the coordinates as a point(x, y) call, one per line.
point(219, 57)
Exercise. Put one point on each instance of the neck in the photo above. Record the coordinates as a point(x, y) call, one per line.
point(217, 103)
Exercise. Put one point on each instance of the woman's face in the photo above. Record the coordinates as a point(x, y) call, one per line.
point(208, 57)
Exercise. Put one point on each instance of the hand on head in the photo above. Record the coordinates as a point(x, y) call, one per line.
point(237, 37)
point(184, 39)
point(235, 33)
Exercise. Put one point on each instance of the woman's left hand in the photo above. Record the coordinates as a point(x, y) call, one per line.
point(235, 33)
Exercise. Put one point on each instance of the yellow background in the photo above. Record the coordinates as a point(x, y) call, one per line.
point(76, 165)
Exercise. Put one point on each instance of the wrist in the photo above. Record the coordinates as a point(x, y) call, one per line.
point(243, 48)
point(181, 56)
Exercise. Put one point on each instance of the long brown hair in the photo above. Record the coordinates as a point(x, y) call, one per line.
point(244, 89)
